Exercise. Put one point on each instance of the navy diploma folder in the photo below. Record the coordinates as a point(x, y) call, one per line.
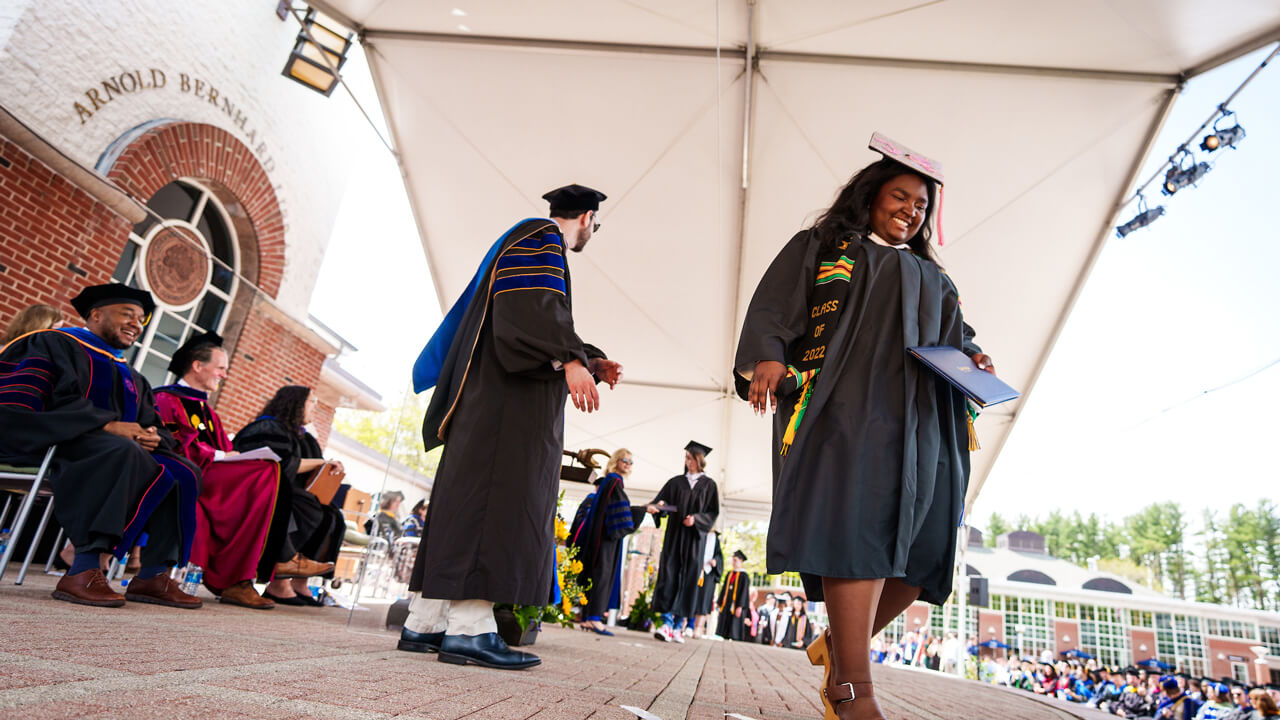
point(955, 367)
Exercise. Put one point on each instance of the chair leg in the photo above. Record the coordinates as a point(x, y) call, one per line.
point(4, 514)
point(57, 547)
point(23, 510)
point(35, 540)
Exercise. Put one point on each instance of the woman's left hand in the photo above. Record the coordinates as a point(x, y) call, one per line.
point(984, 362)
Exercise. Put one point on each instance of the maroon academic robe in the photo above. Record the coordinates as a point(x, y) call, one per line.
point(238, 499)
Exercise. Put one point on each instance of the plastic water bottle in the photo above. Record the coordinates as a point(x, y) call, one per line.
point(4, 540)
point(315, 585)
point(191, 579)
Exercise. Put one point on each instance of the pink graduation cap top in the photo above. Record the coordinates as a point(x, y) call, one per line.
point(930, 168)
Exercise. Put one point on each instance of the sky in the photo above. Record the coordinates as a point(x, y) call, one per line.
point(1121, 416)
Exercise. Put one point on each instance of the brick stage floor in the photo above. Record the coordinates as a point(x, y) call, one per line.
point(65, 661)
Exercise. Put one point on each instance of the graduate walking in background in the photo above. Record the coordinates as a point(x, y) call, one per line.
point(712, 569)
point(501, 364)
point(734, 602)
point(691, 504)
point(871, 449)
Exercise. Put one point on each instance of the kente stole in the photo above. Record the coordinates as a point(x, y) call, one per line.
point(826, 302)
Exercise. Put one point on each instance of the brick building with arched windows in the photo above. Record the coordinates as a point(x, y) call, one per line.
point(158, 145)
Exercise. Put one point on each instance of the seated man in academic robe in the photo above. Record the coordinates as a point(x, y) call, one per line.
point(237, 497)
point(116, 473)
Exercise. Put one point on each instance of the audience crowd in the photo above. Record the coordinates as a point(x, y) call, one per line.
point(1132, 692)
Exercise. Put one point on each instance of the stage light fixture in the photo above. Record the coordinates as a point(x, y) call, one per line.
point(1179, 177)
point(1227, 137)
point(328, 41)
point(1144, 218)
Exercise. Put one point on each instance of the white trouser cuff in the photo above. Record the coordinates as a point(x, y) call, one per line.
point(427, 615)
point(471, 617)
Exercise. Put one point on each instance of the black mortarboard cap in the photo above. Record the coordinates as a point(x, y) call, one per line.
point(698, 448)
point(740, 555)
point(95, 296)
point(574, 198)
point(181, 361)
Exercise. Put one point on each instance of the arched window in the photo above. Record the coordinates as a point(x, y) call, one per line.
point(1032, 576)
point(190, 264)
point(1107, 585)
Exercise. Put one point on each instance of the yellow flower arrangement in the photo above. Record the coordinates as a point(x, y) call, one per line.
point(575, 566)
point(562, 530)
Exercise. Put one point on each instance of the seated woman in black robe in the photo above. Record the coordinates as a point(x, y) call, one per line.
point(311, 548)
point(871, 450)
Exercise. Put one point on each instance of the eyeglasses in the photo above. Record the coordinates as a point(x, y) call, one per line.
point(624, 461)
point(595, 227)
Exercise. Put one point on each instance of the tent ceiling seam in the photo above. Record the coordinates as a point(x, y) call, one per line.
point(765, 53)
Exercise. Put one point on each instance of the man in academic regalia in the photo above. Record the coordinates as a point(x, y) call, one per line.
point(232, 541)
point(691, 504)
point(116, 473)
point(734, 601)
point(501, 362)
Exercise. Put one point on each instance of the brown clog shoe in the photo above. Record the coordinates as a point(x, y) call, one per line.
point(300, 566)
point(88, 588)
point(161, 590)
point(243, 594)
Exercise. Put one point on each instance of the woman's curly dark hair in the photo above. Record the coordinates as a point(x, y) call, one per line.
point(289, 406)
point(851, 212)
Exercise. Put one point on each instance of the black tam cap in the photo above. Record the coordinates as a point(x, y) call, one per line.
point(740, 555)
point(698, 448)
point(574, 198)
point(96, 296)
point(182, 359)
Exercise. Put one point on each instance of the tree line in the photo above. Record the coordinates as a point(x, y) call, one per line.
point(1233, 558)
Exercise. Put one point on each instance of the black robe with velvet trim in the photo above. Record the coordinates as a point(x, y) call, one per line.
point(603, 520)
point(318, 528)
point(111, 492)
point(874, 485)
point(498, 408)
point(680, 564)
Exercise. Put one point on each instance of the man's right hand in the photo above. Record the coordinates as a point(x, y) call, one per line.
point(148, 438)
point(582, 387)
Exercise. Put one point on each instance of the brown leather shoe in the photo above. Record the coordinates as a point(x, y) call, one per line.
point(88, 588)
point(243, 594)
point(161, 590)
point(301, 567)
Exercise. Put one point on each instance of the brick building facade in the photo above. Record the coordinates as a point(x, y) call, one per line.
point(173, 156)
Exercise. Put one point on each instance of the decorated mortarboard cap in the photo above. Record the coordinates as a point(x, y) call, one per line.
point(181, 361)
point(698, 448)
point(740, 555)
point(904, 155)
point(574, 198)
point(96, 296)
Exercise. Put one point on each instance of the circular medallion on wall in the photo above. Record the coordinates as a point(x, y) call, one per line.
point(175, 266)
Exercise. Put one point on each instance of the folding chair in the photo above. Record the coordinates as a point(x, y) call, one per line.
point(26, 480)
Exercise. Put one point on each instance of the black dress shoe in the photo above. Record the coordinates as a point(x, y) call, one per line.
point(295, 600)
point(420, 642)
point(487, 650)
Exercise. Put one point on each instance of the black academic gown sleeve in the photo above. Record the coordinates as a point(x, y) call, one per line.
point(533, 333)
point(776, 313)
point(271, 433)
point(49, 366)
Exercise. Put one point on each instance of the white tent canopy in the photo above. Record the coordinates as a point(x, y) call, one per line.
point(1040, 113)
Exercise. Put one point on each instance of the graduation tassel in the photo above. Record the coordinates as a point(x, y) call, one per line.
point(789, 436)
point(971, 414)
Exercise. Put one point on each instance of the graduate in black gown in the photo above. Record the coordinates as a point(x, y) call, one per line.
point(501, 363)
point(733, 602)
point(117, 475)
point(603, 519)
point(310, 548)
point(691, 504)
point(799, 631)
point(871, 450)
